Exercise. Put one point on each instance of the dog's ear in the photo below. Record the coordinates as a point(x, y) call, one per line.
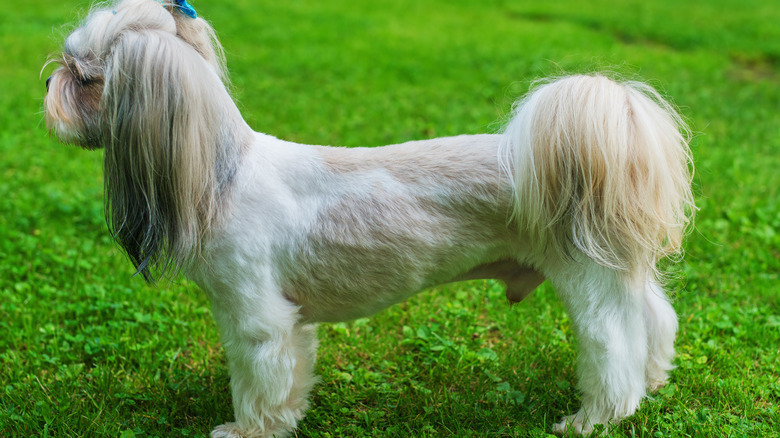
point(162, 101)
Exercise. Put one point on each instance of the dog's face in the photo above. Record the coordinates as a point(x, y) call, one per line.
point(72, 103)
point(75, 90)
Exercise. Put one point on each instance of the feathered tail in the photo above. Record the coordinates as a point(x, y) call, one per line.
point(601, 166)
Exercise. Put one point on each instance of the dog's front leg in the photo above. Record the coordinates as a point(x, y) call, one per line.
point(271, 357)
point(607, 312)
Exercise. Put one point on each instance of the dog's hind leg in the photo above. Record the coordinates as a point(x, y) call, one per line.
point(271, 358)
point(661, 323)
point(606, 309)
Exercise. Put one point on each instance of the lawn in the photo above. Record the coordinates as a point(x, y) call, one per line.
point(87, 349)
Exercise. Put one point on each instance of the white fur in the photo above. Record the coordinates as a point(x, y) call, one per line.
point(588, 186)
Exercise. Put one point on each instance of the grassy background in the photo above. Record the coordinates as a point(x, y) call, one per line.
point(88, 350)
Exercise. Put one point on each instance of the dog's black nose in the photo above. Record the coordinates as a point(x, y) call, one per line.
point(47, 83)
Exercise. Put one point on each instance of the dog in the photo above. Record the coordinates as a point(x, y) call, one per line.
point(588, 185)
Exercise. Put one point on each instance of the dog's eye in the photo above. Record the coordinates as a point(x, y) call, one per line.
point(78, 74)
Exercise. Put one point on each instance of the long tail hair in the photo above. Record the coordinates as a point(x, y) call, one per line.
point(603, 167)
point(169, 127)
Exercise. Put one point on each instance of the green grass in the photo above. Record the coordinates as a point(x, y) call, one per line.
point(88, 350)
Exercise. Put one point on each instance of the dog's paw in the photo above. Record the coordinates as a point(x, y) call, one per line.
point(576, 424)
point(654, 385)
point(227, 430)
point(232, 430)
point(657, 378)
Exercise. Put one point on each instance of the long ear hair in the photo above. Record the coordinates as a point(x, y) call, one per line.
point(170, 147)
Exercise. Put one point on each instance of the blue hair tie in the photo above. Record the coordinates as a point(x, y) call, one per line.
point(186, 8)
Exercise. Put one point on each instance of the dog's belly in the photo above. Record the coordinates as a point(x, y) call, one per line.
point(369, 289)
point(519, 280)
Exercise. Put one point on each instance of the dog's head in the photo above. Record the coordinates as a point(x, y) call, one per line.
point(145, 80)
point(132, 55)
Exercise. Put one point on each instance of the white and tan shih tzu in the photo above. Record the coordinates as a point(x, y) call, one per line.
point(588, 185)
